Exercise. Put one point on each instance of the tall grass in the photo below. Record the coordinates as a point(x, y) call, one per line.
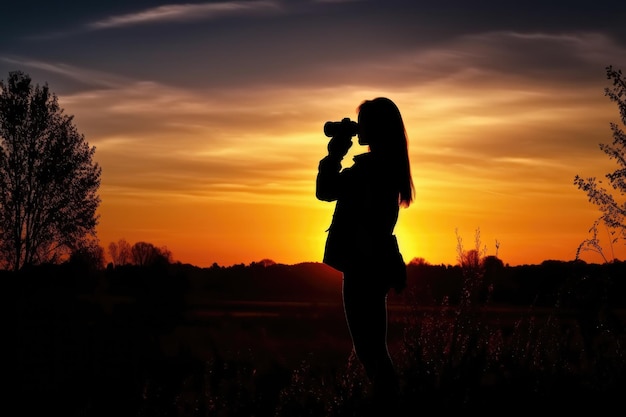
point(463, 358)
point(453, 358)
point(462, 355)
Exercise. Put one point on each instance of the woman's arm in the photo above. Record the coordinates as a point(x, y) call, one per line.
point(328, 181)
point(328, 184)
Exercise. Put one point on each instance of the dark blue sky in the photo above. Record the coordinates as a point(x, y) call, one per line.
point(267, 41)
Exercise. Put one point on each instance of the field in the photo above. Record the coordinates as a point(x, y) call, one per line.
point(95, 352)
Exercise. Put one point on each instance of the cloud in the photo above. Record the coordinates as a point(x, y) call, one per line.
point(184, 13)
point(97, 79)
point(479, 104)
point(487, 58)
point(156, 139)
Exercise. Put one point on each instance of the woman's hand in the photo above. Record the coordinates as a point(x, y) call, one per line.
point(338, 146)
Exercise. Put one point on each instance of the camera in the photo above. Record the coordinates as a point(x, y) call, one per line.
point(346, 127)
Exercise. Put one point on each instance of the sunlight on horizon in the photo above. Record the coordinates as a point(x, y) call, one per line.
point(227, 175)
point(226, 192)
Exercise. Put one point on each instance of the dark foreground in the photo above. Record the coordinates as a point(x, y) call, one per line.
point(96, 352)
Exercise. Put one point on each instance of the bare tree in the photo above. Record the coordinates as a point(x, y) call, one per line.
point(113, 253)
point(48, 179)
point(125, 252)
point(613, 210)
point(120, 252)
point(145, 253)
point(166, 254)
point(89, 254)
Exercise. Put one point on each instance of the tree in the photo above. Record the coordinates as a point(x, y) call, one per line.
point(48, 179)
point(613, 211)
point(120, 252)
point(89, 255)
point(114, 253)
point(146, 254)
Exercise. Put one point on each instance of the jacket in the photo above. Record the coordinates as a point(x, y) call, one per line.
point(366, 211)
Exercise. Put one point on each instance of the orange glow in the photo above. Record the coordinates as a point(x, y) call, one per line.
point(244, 193)
point(228, 177)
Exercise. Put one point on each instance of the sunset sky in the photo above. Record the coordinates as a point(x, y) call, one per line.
point(207, 116)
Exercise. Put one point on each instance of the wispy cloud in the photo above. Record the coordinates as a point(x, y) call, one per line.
point(185, 12)
point(93, 78)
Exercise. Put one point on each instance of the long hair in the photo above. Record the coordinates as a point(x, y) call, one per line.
point(388, 138)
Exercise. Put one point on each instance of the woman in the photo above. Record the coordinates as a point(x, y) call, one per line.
point(360, 241)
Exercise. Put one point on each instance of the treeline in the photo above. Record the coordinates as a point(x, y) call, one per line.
point(120, 253)
point(546, 284)
point(549, 284)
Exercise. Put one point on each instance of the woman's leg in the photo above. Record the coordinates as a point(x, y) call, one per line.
point(365, 306)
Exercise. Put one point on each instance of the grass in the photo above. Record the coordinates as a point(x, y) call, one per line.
point(470, 355)
point(450, 359)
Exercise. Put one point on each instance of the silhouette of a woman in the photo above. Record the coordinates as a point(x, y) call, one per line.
point(360, 241)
